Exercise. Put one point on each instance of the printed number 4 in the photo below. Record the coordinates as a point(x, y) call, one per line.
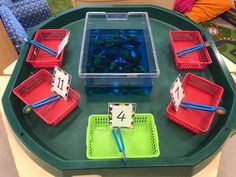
point(121, 117)
point(60, 83)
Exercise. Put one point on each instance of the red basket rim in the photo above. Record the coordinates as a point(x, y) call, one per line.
point(168, 110)
point(170, 105)
point(60, 58)
point(31, 48)
point(177, 59)
point(43, 72)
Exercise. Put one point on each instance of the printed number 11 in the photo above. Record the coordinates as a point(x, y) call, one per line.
point(60, 83)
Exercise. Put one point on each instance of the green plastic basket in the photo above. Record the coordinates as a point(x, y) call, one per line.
point(140, 142)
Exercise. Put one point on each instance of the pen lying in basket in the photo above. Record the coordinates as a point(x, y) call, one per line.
point(41, 46)
point(192, 49)
point(121, 146)
point(202, 107)
point(40, 103)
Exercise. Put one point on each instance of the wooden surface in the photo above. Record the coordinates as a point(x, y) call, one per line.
point(169, 4)
point(28, 168)
point(7, 165)
point(7, 50)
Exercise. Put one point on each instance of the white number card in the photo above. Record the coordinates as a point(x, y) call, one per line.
point(61, 82)
point(63, 43)
point(121, 114)
point(177, 92)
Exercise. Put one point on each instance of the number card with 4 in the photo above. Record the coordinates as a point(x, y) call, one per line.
point(121, 114)
point(61, 82)
point(177, 92)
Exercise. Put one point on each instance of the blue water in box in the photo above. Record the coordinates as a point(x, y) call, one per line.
point(117, 51)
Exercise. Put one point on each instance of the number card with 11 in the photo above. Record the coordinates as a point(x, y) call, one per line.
point(61, 82)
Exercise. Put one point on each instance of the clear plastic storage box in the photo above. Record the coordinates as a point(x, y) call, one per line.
point(118, 54)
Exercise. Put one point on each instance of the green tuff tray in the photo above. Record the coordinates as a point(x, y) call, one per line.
point(141, 141)
point(62, 149)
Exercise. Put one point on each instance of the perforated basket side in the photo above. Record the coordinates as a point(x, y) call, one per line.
point(146, 120)
point(94, 121)
point(203, 85)
point(195, 36)
point(43, 64)
point(34, 81)
point(154, 138)
point(89, 141)
point(73, 94)
point(171, 116)
point(52, 61)
point(141, 119)
point(191, 66)
point(183, 35)
point(76, 97)
point(31, 83)
point(52, 33)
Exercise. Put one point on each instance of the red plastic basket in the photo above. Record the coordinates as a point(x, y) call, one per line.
point(37, 87)
point(197, 60)
point(198, 90)
point(51, 38)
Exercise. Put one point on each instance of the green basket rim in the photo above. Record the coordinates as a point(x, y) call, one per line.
point(151, 117)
